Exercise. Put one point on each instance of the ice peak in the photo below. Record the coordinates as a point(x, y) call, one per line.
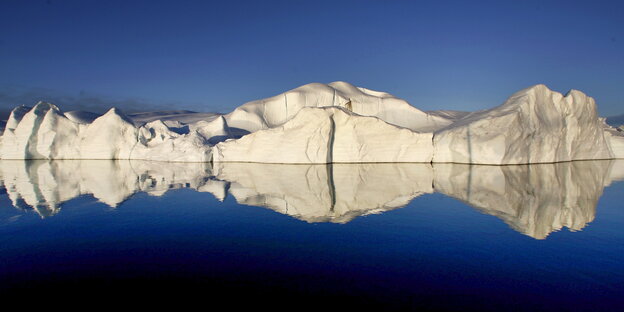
point(43, 107)
point(576, 93)
point(16, 116)
point(538, 89)
point(43, 103)
point(543, 89)
point(22, 108)
point(341, 83)
point(540, 86)
point(117, 113)
point(221, 121)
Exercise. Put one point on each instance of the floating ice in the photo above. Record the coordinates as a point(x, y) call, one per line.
point(535, 125)
point(44, 132)
point(318, 123)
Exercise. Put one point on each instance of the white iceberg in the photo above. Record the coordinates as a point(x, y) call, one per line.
point(319, 123)
point(328, 135)
point(44, 132)
point(535, 125)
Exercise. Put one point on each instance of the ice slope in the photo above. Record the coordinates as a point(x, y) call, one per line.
point(173, 117)
point(448, 114)
point(181, 116)
point(275, 111)
point(535, 125)
point(615, 140)
point(16, 116)
point(112, 136)
point(328, 135)
point(31, 134)
point(81, 117)
point(215, 131)
point(44, 132)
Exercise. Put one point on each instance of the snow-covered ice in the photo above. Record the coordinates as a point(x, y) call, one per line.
point(277, 110)
point(325, 123)
point(44, 132)
point(328, 135)
point(535, 125)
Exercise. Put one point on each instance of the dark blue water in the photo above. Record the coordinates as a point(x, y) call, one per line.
point(442, 250)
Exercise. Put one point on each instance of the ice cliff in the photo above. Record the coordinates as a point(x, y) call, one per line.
point(328, 135)
point(535, 125)
point(44, 132)
point(325, 123)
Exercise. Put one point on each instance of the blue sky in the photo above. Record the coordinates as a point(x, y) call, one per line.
point(206, 56)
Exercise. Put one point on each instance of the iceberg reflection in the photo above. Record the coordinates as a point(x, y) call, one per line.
point(533, 199)
point(326, 193)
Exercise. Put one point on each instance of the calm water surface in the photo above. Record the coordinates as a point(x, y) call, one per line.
point(387, 236)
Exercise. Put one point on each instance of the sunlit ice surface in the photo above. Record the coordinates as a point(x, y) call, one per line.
point(438, 236)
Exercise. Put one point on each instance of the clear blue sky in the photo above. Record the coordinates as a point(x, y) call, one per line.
point(206, 56)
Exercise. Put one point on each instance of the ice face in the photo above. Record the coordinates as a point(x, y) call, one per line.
point(535, 125)
point(329, 135)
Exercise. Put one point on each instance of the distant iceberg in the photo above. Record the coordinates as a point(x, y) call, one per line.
point(325, 123)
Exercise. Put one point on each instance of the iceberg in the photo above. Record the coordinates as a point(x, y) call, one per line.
point(535, 125)
point(328, 135)
point(325, 123)
point(44, 132)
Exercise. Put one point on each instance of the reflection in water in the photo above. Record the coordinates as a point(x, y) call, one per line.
point(326, 193)
point(532, 199)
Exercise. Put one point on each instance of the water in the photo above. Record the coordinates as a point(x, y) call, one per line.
point(388, 236)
